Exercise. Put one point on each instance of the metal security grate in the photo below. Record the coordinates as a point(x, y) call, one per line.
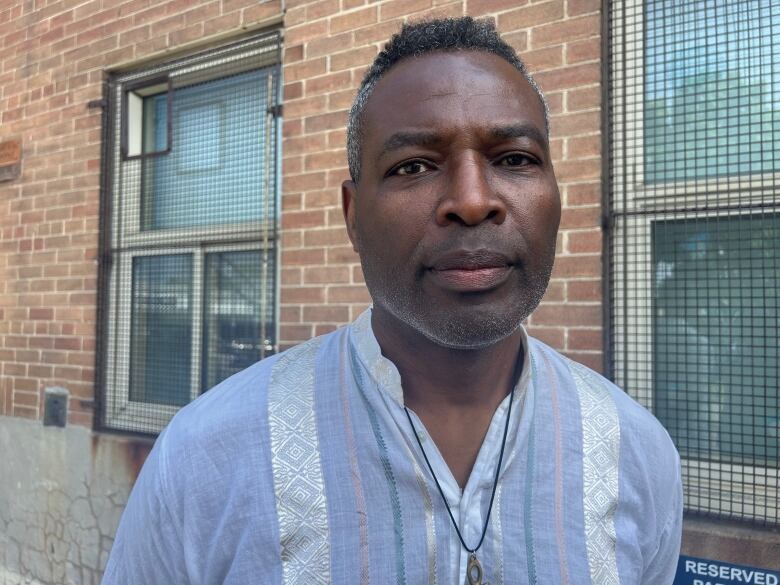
point(694, 238)
point(189, 229)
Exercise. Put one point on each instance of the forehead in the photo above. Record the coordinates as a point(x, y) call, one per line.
point(457, 91)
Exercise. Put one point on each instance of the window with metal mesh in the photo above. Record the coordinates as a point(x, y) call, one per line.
point(694, 238)
point(188, 293)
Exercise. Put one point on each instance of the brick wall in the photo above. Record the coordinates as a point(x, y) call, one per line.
point(53, 56)
point(328, 48)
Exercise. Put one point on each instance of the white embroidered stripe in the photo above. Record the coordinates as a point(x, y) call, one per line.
point(295, 456)
point(601, 452)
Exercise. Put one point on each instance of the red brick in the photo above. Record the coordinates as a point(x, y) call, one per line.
point(566, 31)
point(552, 336)
point(348, 294)
point(302, 294)
point(543, 59)
point(305, 69)
point(531, 15)
point(491, 6)
point(379, 33)
point(326, 275)
point(584, 98)
point(585, 50)
point(585, 339)
point(353, 58)
point(569, 76)
point(325, 160)
point(304, 32)
point(295, 333)
point(583, 194)
point(302, 219)
point(576, 266)
point(584, 290)
point(585, 242)
point(308, 106)
point(394, 8)
point(584, 146)
point(577, 170)
point(574, 124)
point(328, 83)
point(326, 314)
point(324, 122)
point(567, 315)
point(353, 20)
point(321, 9)
point(579, 7)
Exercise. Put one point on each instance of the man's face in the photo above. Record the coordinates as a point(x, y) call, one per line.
point(457, 208)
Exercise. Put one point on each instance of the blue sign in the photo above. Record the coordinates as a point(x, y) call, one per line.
point(693, 571)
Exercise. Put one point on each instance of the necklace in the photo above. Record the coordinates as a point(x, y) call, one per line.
point(474, 572)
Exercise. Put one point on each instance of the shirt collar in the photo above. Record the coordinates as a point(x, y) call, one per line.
point(386, 375)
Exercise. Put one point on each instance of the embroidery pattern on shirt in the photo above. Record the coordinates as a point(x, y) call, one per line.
point(601, 453)
point(354, 470)
point(528, 528)
point(498, 539)
point(295, 456)
point(560, 533)
point(395, 501)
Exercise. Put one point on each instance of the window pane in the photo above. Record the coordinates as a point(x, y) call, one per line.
point(215, 171)
point(161, 329)
point(712, 96)
point(238, 325)
point(717, 296)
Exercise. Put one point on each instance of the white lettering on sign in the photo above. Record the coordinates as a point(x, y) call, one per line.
point(704, 569)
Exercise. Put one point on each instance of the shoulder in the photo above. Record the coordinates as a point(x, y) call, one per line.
point(636, 423)
point(237, 407)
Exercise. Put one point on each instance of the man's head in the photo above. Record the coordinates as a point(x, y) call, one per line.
point(455, 209)
point(416, 40)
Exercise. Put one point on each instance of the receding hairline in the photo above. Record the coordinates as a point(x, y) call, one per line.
point(445, 35)
point(456, 52)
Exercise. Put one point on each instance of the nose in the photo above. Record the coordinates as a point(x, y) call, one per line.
point(469, 199)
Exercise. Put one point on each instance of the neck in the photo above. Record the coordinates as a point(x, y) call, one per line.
point(436, 378)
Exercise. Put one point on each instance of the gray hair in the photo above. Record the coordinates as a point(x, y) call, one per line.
point(420, 38)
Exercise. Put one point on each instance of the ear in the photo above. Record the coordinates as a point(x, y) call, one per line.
point(348, 202)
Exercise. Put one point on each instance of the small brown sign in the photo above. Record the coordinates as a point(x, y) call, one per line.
point(10, 159)
point(10, 152)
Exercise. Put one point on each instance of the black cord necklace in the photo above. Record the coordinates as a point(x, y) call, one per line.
point(474, 570)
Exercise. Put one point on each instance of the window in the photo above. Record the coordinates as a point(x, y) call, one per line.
point(694, 232)
point(189, 276)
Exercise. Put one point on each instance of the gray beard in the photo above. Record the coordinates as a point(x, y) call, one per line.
point(469, 328)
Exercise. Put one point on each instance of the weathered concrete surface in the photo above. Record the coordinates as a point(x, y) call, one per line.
point(732, 543)
point(62, 491)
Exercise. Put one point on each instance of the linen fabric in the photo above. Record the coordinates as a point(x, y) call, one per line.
point(303, 469)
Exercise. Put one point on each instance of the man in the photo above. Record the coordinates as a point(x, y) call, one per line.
point(431, 441)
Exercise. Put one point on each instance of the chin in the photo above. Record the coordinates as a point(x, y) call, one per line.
point(471, 328)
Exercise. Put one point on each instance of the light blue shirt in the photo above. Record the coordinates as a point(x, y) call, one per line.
point(303, 469)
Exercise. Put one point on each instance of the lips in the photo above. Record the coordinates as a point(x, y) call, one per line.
point(470, 271)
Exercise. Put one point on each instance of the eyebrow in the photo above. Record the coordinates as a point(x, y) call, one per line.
point(519, 131)
point(403, 139)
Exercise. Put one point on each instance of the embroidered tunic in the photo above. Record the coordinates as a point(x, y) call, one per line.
point(303, 469)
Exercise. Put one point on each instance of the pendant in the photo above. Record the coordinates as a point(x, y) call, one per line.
point(474, 571)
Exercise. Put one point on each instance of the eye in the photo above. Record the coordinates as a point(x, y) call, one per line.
point(515, 159)
point(414, 167)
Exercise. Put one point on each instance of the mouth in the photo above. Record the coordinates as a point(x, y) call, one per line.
point(470, 271)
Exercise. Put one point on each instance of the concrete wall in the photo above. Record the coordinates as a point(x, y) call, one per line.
point(62, 491)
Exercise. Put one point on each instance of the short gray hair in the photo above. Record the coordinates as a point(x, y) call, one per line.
point(420, 38)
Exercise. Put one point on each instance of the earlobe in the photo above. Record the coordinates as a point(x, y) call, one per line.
point(348, 201)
